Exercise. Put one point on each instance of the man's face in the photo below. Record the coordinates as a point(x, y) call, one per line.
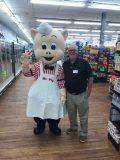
point(73, 54)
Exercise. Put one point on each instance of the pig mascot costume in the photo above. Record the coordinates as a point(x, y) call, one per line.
point(47, 96)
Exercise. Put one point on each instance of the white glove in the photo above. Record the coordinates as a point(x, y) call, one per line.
point(63, 95)
point(26, 61)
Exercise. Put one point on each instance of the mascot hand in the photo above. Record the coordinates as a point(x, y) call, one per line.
point(26, 61)
point(63, 99)
point(63, 95)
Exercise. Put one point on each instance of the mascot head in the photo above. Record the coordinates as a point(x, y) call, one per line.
point(48, 43)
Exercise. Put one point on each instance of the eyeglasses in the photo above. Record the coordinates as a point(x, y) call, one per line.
point(72, 52)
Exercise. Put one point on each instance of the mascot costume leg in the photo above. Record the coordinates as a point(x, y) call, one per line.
point(47, 94)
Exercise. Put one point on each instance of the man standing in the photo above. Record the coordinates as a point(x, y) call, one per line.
point(78, 83)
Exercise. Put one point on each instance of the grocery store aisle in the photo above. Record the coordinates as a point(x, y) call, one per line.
point(17, 141)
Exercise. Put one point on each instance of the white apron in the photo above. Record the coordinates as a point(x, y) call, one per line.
point(44, 97)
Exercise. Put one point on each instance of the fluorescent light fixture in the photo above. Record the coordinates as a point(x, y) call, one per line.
point(77, 0)
point(87, 23)
point(70, 29)
point(74, 34)
point(57, 28)
point(15, 20)
point(103, 6)
point(114, 35)
point(114, 24)
point(53, 21)
point(11, 15)
point(83, 37)
point(106, 2)
point(97, 31)
point(58, 3)
point(109, 31)
point(91, 35)
point(26, 34)
point(4, 7)
point(78, 30)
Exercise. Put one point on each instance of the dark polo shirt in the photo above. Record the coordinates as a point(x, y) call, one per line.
point(76, 76)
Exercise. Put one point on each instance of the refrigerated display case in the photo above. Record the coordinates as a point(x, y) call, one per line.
point(18, 50)
point(5, 61)
point(10, 65)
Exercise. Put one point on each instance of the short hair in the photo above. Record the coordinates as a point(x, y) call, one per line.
point(72, 47)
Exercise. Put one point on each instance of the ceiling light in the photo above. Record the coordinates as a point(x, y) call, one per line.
point(97, 31)
point(87, 23)
point(4, 7)
point(114, 24)
point(11, 15)
point(74, 34)
point(83, 37)
point(57, 28)
point(104, 6)
point(91, 35)
point(78, 30)
point(58, 3)
point(53, 21)
point(109, 31)
point(15, 20)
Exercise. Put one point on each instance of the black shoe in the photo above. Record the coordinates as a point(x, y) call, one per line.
point(56, 131)
point(38, 131)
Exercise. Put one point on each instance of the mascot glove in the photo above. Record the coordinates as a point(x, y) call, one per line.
point(63, 95)
point(26, 61)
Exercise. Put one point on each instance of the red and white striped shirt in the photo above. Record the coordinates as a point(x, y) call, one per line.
point(35, 71)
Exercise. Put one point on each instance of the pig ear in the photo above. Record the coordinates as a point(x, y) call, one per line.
point(65, 34)
point(33, 33)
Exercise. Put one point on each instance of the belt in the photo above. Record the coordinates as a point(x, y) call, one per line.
point(77, 93)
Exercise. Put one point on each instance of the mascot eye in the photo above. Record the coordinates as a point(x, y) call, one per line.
point(53, 46)
point(44, 45)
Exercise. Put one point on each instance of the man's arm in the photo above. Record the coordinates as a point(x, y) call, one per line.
point(90, 84)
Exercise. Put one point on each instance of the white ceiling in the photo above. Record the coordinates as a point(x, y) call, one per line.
point(26, 13)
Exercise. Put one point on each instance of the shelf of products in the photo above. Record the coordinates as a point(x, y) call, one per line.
point(100, 62)
point(111, 84)
point(114, 118)
point(116, 71)
point(102, 66)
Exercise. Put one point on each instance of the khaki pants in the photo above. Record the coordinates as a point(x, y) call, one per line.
point(78, 103)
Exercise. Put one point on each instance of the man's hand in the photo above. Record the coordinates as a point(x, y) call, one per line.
point(88, 93)
point(90, 83)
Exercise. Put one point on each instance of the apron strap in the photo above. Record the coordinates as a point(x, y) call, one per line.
point(56, 69)
point(41, 69)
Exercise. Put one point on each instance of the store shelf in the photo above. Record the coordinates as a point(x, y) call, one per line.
point(116, 92)
point(116, 107)
point(117, 146)
point(117, 72)
point(114, 117)
point(117, 124)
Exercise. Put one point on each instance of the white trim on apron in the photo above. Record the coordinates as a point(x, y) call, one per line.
point(44, 97)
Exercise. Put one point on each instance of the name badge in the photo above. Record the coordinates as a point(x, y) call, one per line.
point(75, 71)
